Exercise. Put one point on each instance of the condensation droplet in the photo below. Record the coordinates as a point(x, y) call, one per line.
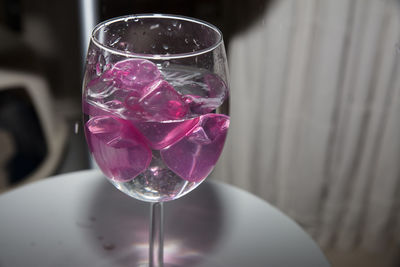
point(101, 62)
point(123, 46)
point(153, 46)
point(186, 40)
point(195, 42)
point(169, 29)
point(135, 19)
point(155, 26)
point(165, 64)
point(76, 128)
point(91, 58)
point(174, 23)
point(115, 41)
point(165, 46)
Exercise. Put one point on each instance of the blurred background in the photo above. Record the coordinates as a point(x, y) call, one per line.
point(315, 98)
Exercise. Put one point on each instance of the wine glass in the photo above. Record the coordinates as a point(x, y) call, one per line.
point(154, 92)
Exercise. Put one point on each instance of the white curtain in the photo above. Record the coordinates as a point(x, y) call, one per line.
point(315, 117)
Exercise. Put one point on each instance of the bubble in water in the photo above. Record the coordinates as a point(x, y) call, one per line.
point(135, 19)
point(180, 26)
point(169, 28)
point(174, 23)
point(186, 40)
point(153, 46)
point(165, 46)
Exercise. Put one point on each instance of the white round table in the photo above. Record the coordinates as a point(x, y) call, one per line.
point(79, 219)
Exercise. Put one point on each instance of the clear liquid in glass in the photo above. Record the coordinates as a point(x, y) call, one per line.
point(155, 131)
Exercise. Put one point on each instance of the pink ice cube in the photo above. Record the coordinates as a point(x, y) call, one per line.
point(118, 147)
point(114, 105)
point(217, 87)
point(202, 105)
point(89, 108)
point(134, 110)
point(125, 76)
point(161, 102)
point(98, 88)
point(162, 134)
point(97, 108)
point(216, 93)
point(195, 155)
point(134, 73)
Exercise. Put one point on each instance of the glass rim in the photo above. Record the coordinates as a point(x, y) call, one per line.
point(156, 56)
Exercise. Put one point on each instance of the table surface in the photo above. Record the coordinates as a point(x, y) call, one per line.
point(80, 219)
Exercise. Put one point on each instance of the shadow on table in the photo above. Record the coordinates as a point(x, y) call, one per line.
point(192, 227)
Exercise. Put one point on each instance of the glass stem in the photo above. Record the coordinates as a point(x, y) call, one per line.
point(156, 244)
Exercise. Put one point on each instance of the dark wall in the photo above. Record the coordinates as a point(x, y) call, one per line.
point(44, 35)
point(230, 16)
